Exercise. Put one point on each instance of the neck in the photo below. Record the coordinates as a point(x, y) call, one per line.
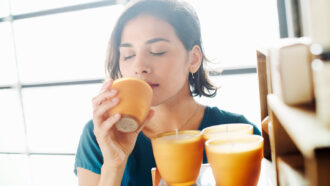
point(180, 113)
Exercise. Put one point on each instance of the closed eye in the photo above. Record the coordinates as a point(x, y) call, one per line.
point(128, 57)
point(157, 53)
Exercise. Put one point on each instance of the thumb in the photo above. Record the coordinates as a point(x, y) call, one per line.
point(149, 116)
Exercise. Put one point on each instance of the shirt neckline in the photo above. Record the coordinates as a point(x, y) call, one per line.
point(200, 127)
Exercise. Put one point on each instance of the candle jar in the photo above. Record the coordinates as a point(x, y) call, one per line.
point(226, 129)
point(178, 156)
point(321, 75)
point(135, 97)
point(235, 159)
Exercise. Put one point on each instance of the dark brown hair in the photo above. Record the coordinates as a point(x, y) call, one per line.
point(182, 17)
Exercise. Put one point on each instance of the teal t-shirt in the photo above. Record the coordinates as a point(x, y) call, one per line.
point(141, 160)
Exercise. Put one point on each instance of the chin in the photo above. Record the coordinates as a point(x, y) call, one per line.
point(155, 102)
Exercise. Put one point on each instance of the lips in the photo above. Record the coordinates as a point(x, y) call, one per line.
point(153, 85)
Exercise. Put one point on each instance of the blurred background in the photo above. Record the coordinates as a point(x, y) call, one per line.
point(52, 55)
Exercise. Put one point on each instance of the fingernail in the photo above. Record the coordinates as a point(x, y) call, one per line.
point(117, 115)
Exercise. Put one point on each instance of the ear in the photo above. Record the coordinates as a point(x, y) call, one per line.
point(196, 57)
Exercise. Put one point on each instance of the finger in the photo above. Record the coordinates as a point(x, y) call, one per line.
point(101, 110)
point(108, 123)
point(99, 99)
point(106, 85)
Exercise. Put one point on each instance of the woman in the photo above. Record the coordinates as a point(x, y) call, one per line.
point(158, 41)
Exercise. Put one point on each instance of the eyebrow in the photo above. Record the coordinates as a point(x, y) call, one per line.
point(154, 40)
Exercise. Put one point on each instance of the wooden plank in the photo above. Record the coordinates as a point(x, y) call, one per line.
point(301, 125)
point(269, 74)
point(281, 143)
point(323, 166)
point(318, 168)
point(272, 146)
point(262, 79)
point(291, 170)
point(263, 91)
point(296, 161)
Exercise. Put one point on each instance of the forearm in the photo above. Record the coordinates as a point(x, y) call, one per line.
point(111, 176)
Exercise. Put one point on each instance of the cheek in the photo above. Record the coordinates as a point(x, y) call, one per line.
point(174, 74)
point(177, 69)
point(124, 69)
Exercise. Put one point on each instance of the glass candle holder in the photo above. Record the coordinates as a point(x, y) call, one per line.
point(235, 160)
point(178, 156)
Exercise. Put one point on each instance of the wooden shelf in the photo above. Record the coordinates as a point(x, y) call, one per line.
point(302, 126)
point(299, 142)
point(292, 171)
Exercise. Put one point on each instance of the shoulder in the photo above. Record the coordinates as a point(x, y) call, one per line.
point(88, 155)
point(88, 132)
point(89, 128)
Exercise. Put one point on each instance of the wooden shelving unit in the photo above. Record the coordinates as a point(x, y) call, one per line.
point(291, 170)
point(300, 145)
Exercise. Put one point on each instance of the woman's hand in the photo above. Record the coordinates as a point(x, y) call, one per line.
point(115, 146)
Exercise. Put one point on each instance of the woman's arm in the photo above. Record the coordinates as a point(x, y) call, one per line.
point(109, 176)
point(87, 178)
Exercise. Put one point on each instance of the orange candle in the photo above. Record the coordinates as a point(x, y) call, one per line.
point(178, 156)
point(135, 97)
point(227, 129)
point(235, 160)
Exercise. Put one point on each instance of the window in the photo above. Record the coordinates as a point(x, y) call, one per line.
point(238, 94)
point(15, 170)
point(4, 8)
point(52, 170)
point(55, 116)
point(22, 6)
point(52, 57)
point(232, 29)
point(12, 136)
point(7, 57)
point(64, 47)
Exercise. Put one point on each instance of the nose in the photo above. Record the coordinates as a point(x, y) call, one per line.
point(142, 66)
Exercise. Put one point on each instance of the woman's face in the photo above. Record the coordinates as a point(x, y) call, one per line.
point(150, 50)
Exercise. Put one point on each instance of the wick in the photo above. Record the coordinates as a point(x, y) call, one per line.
point(176, 133)
point(229, 138)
